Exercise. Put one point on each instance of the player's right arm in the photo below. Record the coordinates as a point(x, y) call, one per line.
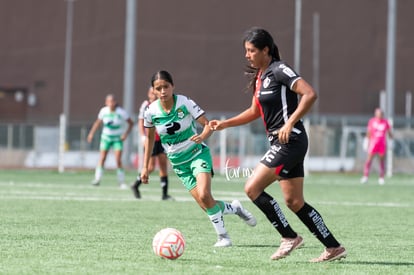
point(149, 145)
point(140, 124)
point(95, 127)
point(245, 117)
point(141, 130)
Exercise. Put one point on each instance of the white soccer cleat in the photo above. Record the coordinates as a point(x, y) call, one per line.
point(381, 181)
point(123, 186)
point(364, 180)
point(95, 182)
point(245, 215)
point(223, 241)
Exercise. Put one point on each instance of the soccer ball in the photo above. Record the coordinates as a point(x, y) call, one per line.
point(168, 243)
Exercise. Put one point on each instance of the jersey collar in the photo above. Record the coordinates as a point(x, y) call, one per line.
point(173, 107)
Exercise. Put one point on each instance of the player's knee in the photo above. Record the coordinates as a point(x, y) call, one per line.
point(251, 191)
point(294, 204)
point(206, 198)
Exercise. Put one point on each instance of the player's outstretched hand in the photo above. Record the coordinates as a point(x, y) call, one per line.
point(215, 125)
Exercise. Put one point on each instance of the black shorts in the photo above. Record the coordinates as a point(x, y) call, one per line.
point(287, 159)
point(158, 149)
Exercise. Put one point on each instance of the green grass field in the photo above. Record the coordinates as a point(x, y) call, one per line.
point(53, 223)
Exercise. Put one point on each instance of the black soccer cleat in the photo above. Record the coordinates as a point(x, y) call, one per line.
point(135, 188)
point(167, 198)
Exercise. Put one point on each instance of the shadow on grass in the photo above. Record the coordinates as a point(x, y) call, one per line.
point(275, 245)
point(377, 263)
point(255, 245)
point(342, 261)
point(371, 263)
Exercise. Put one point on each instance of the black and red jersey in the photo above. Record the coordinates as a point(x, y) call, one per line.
point(274, 96)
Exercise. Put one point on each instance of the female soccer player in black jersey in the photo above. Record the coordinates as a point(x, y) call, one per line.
point(276, 86)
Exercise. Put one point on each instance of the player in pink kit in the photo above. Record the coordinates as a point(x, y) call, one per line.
point(377, 130)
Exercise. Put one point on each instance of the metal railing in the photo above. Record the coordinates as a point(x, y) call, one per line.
point(331, 140)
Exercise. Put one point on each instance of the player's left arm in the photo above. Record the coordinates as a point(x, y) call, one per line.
point(205, 134)
point(95, 127)
point(128, 130)
point(307, 98)
point(199, 115)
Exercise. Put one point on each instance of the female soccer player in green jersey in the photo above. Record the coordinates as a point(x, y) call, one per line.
point(174, 117)
point(111, 117)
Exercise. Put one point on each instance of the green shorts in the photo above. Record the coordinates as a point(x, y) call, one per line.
point(111, 141)
point(187, 172)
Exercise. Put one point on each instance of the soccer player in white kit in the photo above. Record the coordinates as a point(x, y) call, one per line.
point(174, 117)
point(112, 117)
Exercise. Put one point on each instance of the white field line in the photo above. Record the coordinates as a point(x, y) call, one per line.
point(54, 185)
point(99, 199)
point(107, 187)
point(59, 192)
point(88, 186)
point(375, 204)
point(227, 196)
point(117, 195)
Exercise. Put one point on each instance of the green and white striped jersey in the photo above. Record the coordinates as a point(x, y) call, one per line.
point(113, 122)
point(176, 128)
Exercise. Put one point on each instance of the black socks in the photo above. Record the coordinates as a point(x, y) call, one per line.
point(313, 220)
point(307, 214)
point(164, 185)
point(274, 214)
